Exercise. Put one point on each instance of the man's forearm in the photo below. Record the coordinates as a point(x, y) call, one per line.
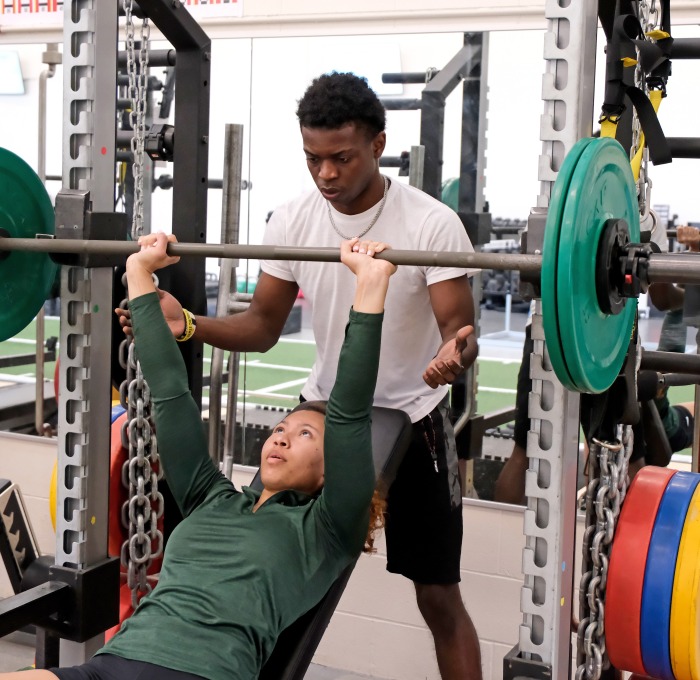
point(237, 333)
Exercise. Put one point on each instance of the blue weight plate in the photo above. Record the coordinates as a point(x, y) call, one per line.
point(117, 410)
point(660, 569)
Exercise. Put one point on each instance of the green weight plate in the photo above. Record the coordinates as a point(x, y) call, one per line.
point(449, 193)
point(595, 344)
point(550, 250)
point(25, 278)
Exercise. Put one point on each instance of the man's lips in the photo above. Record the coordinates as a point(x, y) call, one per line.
point(329, 193)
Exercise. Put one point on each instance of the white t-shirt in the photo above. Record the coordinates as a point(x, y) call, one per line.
point(660, 237)
point(411, 220)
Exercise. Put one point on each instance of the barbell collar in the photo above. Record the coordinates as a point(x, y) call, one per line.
point(529, 263)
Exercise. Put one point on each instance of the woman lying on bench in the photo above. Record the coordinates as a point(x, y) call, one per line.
point(244, 565)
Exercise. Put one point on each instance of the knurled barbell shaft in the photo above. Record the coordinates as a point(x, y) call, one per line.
point(670, 362)
point(674, 268)
point(527, 263)
point(662, 267)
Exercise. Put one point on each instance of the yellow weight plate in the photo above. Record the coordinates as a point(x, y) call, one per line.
point(685, 602)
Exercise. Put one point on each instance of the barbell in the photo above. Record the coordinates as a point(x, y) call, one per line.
point(589, 272)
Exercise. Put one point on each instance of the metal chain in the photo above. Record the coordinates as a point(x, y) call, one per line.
point(140, 475)
point(141, 472)
point(138, 79)
point(604, 497)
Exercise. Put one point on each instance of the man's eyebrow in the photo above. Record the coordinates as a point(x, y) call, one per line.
point(342, 152)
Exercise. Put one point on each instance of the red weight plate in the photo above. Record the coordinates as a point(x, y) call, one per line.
point(623, 600)
point(118, 494)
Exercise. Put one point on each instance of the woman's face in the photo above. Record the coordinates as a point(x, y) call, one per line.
point(292, 456)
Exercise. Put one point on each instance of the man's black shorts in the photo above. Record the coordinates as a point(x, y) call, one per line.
point(424, 510)
point(111, 667)
point(682, 438)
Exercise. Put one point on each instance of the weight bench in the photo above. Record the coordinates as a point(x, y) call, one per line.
point(391, 435)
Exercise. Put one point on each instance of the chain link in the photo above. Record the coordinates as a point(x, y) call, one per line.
point(138, 90)
point(604, 497)
point(140, 473)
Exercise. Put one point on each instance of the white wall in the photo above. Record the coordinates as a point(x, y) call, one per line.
point(19, 115)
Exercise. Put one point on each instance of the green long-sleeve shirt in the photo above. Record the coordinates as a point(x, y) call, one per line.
point(232, 579)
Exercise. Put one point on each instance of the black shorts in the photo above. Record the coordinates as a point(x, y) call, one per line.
point(682, 438)
point(424, 506)
point(522, 396)
point(111, 667)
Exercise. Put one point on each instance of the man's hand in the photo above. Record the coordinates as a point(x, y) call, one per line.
point(689, 236)
point(172, 311)
point(124, 316)
point(447, 364)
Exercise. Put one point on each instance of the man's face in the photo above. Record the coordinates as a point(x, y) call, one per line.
point(343, 162)
point(292, 456)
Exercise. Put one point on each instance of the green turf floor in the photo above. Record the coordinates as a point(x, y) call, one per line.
point(276, 377)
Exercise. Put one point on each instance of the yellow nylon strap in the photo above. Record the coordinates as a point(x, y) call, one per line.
point(658, 34)
point(608, 128)
point(655, 97)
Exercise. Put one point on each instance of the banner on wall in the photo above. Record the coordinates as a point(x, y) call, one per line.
point(30, 6)
point(199, 8)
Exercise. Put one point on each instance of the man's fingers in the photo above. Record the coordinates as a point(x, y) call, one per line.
point(441, 373)
point(464, 333)
point(454, 366)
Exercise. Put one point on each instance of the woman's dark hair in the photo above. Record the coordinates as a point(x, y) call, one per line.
point(337, 99)
point(318, 406)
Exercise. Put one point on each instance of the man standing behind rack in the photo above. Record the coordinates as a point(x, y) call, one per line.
point(426, 342)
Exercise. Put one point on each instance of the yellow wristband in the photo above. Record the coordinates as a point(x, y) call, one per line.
point(190, 326)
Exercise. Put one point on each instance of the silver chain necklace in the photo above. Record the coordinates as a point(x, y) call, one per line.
point(371, 224)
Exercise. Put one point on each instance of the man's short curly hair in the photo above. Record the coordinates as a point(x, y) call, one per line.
point(337, 99)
